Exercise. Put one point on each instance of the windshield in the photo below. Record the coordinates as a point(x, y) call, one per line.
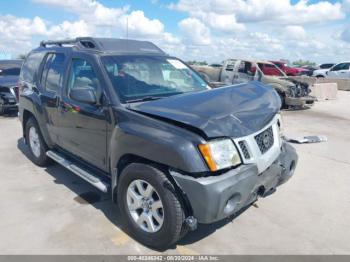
point(143, 77)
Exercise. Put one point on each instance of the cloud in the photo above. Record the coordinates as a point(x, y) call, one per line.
point(345, 35)
point(93, 12)
point(346, 5)
point(140, 25)
point(281, 11)
point(294, 32)
point(19, 34)
point(96, 14)
point(195, 32)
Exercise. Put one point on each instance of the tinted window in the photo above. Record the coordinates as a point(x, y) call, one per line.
point(342, 66)
point(245, 67)
point(82, 75)
point(30, 67)
point(278, 64)
point(52, 76)
point(325, 66)
point(139, 77)
point(10, 71)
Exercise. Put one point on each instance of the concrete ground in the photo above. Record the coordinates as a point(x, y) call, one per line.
point(43, 211)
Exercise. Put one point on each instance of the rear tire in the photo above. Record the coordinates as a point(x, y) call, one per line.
point(170, 230)
point(36, 143)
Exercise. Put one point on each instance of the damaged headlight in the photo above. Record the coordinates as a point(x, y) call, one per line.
point(220, 154)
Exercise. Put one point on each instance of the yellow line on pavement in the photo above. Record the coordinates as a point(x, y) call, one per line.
point(120, 238)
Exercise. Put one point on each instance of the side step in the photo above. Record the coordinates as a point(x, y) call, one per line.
point(88, 177)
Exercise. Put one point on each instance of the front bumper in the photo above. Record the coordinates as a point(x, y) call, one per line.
point(300, 101)
point(216, 197)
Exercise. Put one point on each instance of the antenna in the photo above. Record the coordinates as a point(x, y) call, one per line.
point(127, 27)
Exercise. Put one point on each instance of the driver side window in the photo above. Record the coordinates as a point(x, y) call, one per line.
point(342, 66)
point(82, 75)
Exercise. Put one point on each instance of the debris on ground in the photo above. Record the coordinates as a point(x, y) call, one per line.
point(306, 139)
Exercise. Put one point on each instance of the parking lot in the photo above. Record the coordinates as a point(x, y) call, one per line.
point(51, 211)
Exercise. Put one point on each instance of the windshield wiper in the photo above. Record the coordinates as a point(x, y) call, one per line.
point(146, 98)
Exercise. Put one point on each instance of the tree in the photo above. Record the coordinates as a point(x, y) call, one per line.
point(194, 62)
point(301, 62)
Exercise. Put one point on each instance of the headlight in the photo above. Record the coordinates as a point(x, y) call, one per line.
point(220, 154)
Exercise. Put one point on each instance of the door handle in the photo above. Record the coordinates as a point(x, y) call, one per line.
point(65, 107)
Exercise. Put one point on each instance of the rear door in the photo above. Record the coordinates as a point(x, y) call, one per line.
point(83, 127)
point(50, 84)
point(339, 71)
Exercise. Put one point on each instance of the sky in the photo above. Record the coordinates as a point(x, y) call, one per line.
point(204, 30)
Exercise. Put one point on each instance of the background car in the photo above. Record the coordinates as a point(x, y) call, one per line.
point(341, 70)
point(289, 71)
point(322, 69)
point(9, 73)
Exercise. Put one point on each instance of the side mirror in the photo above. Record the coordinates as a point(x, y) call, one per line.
point(84, 94)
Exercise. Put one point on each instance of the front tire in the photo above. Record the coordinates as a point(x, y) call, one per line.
point(36, 143)
point(151, 211)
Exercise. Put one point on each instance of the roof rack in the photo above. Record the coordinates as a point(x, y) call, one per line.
point(108, 45)
point(86, 42)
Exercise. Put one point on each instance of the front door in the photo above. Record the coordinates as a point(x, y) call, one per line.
point(83, 127)
point(339, 71)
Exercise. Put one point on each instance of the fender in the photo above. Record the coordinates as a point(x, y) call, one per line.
point(155, 140)
point(30, 102)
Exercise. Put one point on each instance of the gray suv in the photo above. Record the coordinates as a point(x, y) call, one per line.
point(144, 127)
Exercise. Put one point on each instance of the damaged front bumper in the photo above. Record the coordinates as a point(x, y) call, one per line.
point(216, 197)
point(299, 101)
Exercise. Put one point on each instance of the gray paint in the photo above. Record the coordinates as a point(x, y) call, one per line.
point(232, 111)
point(237, 187)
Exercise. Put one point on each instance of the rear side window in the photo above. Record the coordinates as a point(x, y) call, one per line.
point(52, 76)
point(325, 66)
point(30, 67)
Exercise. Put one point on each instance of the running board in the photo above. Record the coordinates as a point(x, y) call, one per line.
point(88, 177)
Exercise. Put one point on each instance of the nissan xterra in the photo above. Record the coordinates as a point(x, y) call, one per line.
point(143, 126)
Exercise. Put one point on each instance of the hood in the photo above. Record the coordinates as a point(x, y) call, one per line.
point(321, 71)
point(8, 81)
point(232, 111)
point(280, 80)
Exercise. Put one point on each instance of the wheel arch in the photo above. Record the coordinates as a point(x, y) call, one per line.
point(130, 159)
point(26, 116)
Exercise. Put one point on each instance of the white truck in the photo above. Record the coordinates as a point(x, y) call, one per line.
point(235, 71)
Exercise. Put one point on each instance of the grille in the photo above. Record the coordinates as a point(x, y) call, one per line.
point(265, 140)
point(244, 149)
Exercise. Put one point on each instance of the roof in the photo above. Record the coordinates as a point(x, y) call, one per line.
point(107, 45)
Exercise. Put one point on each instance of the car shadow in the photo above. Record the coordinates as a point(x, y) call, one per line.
point(87, 194)
point(7, 114)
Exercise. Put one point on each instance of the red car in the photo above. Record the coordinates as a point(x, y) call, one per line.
point(289, 71)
